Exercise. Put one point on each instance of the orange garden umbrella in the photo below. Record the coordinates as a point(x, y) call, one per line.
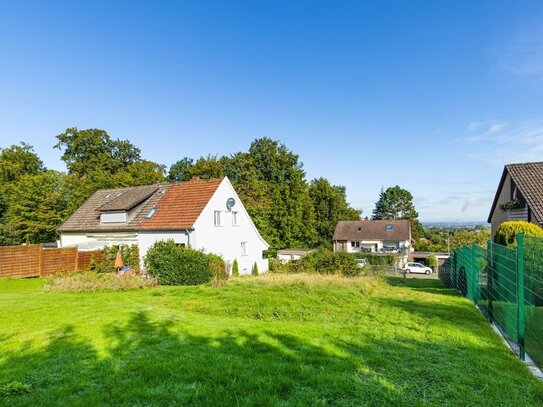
point(118, 261)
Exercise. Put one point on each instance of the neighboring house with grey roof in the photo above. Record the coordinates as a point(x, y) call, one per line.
point(519, 195)
point(203, 214)
point(373, 236)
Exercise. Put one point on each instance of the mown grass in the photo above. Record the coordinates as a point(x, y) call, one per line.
point(272, 340)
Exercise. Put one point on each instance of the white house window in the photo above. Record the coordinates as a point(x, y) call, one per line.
point(244, 248)
point(235, 220)
point(218, 218)
point(355, 244)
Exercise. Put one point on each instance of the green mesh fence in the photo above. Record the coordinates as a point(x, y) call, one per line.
point(533, 297)
point(507, 285)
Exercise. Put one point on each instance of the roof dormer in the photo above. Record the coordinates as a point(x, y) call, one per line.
point(114, 217)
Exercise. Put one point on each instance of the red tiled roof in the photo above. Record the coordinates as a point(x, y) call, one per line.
point(181, 205)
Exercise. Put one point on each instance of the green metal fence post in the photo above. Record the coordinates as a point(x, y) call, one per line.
point(475, 273)
point(472, 274)
point(455, 260)
point(520, 294)
point(467, 271)
point(453, 268)
point(490, 278)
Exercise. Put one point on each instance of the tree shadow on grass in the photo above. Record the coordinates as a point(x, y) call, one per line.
point(152, 362)
point(423, 285)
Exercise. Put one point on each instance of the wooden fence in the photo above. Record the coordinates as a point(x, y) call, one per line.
point(36, 261)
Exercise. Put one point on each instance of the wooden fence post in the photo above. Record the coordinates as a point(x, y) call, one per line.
point(40, 259)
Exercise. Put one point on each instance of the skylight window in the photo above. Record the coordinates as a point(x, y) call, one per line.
point(151, 213)
point(360, 228)
point(389, 228)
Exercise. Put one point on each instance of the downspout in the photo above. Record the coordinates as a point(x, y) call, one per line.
point(188, 237)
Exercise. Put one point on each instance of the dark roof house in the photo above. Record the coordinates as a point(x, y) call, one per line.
point(519, 195)
point(383, 230)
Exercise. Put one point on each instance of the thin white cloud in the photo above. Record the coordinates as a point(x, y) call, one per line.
point(522, 55)
point(496, 128)
point(498, 144)
point(472, 201)
point(483, 130)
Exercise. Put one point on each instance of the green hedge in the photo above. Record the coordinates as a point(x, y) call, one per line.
point(377, 259)
point(325, 261)
point(129, 253)
point(174, 265)
point(431, 261)
point(506, 234)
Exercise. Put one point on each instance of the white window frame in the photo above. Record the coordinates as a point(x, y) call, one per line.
point(244, 249)
point(217, 218)
point(235, 218)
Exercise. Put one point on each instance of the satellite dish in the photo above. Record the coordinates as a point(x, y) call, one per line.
point(230, 203)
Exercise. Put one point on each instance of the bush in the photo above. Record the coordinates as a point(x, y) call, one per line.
point(235, 268)
point(14, 389)
point(507, 232)
point(325, 261)
point(377, 259)
point(90, 282)
point(431, 261)
point(254, 270)
point(174, 265)
point(218, 266)
point(129, 253)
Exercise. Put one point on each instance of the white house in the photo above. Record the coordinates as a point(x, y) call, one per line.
point(203, 214)
point(374, 236)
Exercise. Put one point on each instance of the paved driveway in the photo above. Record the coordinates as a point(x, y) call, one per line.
point(432, 276)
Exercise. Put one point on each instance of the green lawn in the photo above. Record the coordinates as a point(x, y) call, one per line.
point(269, 340)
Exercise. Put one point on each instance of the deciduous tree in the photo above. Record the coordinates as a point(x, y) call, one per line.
point(330, 205)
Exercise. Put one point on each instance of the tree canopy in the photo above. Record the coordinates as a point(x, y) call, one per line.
point(397, 203)
point(288, 210)
point(330, 204)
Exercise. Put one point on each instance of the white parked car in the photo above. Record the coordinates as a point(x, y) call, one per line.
point(417, 268)
point(361, 263)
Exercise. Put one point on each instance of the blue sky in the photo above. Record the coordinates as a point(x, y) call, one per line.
point(434, 96)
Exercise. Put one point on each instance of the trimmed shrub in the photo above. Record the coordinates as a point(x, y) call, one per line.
point(507, 232)
point(174, 265)
point(235, 268)
point(254, 270)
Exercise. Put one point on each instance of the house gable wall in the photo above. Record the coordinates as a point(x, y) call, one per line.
point(225, 240)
